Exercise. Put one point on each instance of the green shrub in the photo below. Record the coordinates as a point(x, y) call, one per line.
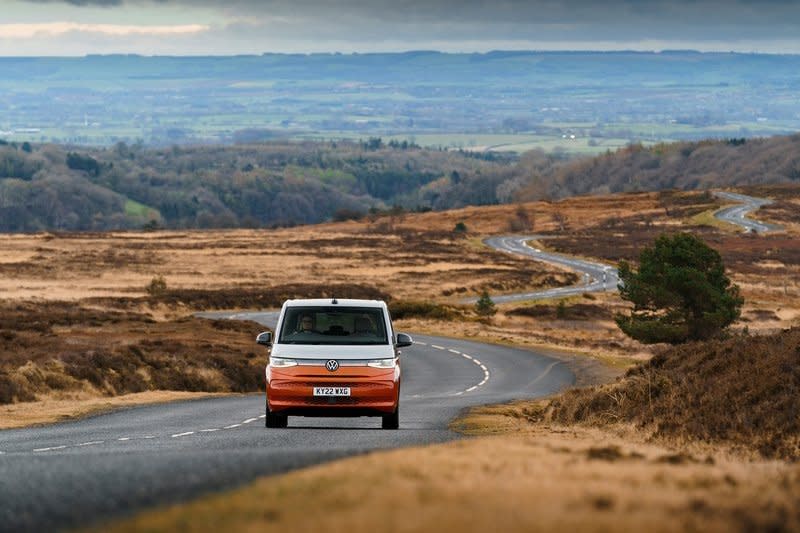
point(157, 286)
point(485, 306)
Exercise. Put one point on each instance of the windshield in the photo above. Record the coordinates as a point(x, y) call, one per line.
point(334, 325)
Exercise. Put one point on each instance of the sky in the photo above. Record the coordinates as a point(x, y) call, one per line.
point(205, 27)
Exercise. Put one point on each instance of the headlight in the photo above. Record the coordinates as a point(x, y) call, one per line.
point(281, 362)
point(383, 363)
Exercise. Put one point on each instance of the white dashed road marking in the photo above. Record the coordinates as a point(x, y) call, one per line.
point(249, 420)
point(49, 449)
point(124, 438)
point(474, 360)
point(90, 443)
point(184, 434)
point(210, 430)
point(232, 426)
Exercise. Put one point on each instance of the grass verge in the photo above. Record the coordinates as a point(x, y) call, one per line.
point(546, 479)
point(707, 218)
point(52, 410)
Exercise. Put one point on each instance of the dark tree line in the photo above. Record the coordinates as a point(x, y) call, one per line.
point(286, 183)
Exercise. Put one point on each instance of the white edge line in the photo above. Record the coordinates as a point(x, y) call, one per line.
point(185, 433)
point(546, 371)
point(249, 420)
point(232, 426)
point(263, 416)
point(471, 388)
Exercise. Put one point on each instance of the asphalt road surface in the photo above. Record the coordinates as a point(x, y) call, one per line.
point(595, 277)
point(737, 214)
point(79, 473)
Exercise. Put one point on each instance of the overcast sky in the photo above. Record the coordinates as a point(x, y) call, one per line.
point(192, 27)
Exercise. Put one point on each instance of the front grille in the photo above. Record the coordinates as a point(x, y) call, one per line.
point(342, 362)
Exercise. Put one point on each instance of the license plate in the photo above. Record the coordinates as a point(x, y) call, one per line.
point(331, 391)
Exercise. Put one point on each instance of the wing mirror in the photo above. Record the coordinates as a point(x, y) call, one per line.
point(404, 340)
point(264, 338)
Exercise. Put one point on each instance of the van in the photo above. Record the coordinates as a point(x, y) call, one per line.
point(332, 357)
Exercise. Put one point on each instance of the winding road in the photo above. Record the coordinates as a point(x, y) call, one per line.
point(737, 214)
point(597, 277)
point(78, 473)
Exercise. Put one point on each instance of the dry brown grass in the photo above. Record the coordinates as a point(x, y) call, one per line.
point(742, 392)
point(49, 349)
point(548, 478)
point(414, 263)
point(79, 405)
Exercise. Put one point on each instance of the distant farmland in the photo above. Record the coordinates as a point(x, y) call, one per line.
point(500, 100)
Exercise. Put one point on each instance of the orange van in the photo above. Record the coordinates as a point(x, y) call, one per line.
point(333, 358)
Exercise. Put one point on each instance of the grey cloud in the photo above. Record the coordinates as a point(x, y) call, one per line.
point(82, 3)
point(531, 20)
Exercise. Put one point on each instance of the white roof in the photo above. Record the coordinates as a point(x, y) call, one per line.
point(344, 302)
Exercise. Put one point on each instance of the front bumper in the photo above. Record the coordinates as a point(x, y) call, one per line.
point(373, 391)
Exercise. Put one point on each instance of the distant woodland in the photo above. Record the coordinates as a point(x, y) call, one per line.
point(54, 187)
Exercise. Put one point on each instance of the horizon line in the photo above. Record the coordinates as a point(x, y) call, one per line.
point(412, 51)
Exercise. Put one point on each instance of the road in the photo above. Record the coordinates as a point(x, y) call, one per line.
point(596, 277)
point(737, 214)
point(77, 473)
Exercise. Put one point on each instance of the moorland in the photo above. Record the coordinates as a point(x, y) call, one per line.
point(95, 319)
point(702, 436)
point(88, 315)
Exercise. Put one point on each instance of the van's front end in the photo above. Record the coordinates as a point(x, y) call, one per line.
point(334, 358)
